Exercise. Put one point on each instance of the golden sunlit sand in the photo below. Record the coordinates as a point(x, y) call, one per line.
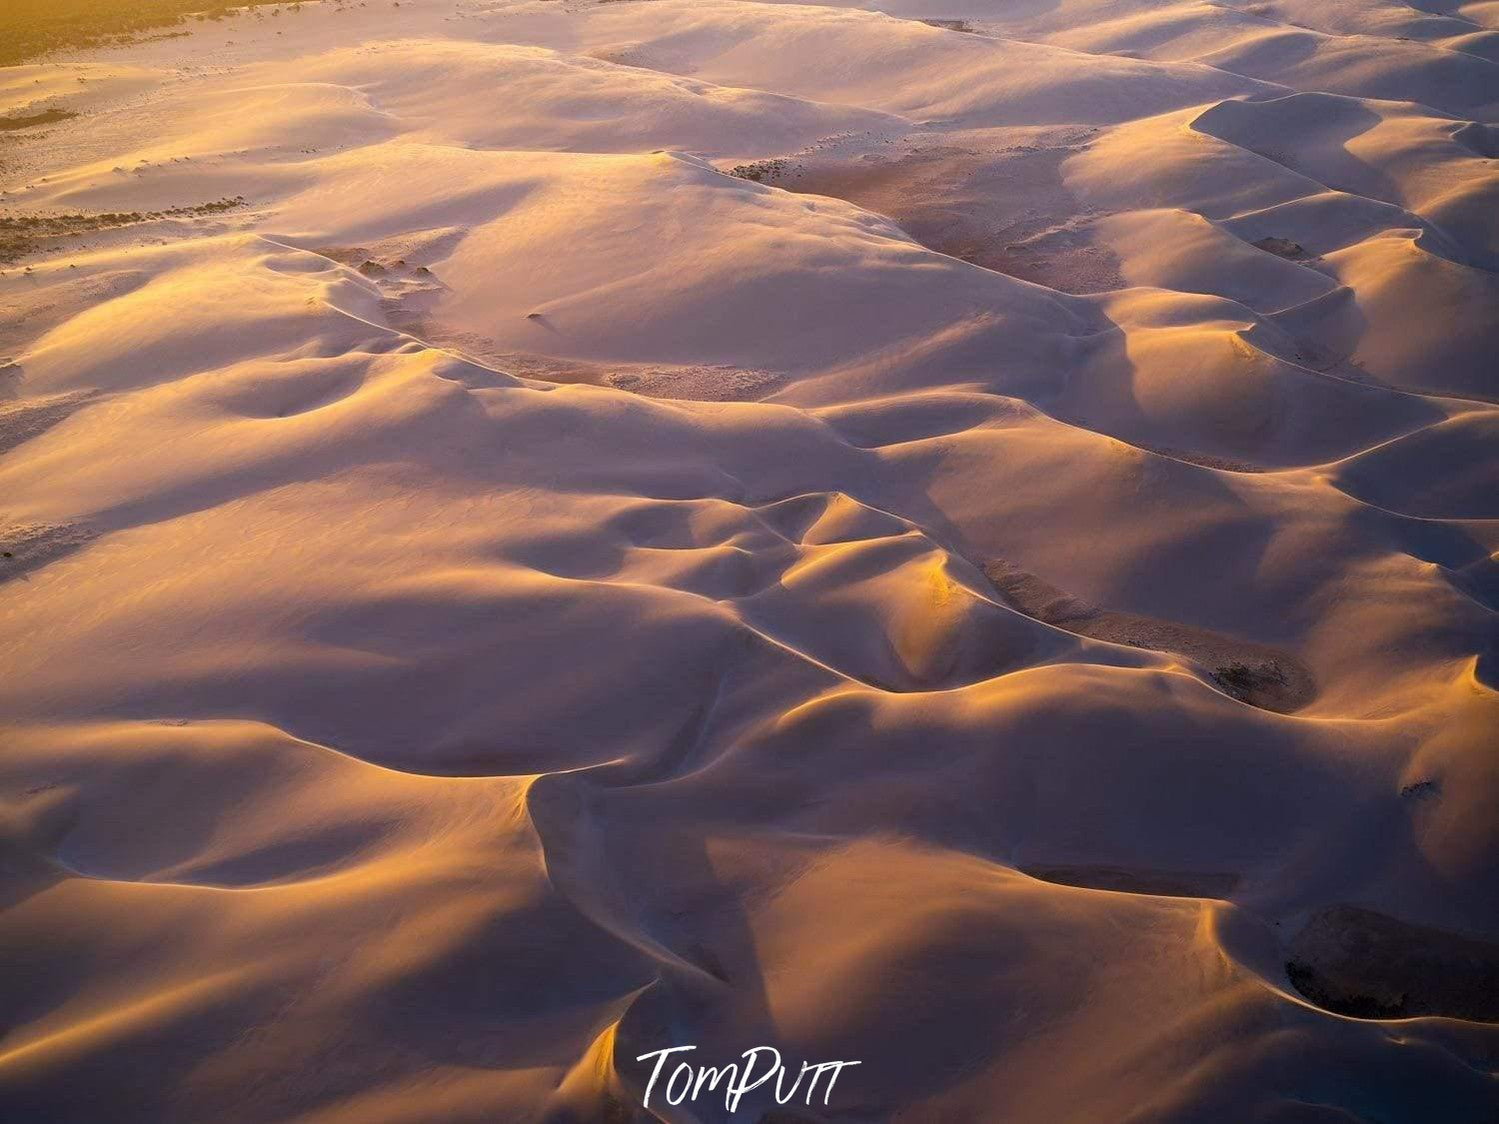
point(953, 535)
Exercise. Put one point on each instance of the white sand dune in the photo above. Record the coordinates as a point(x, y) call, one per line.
point(956, 535)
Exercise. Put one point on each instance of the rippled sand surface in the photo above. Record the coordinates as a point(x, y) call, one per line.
point(960, 537)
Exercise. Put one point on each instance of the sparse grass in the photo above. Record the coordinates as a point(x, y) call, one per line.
point(1282, 248)
point(29, 28)
point(759, 171)
point(1326, 994)
point(22, 235)
point(45, 117)
point(1245, 682)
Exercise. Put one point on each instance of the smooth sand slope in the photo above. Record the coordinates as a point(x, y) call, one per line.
point(959, 536)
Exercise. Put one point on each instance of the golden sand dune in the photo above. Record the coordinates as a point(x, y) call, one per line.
point(949, 535)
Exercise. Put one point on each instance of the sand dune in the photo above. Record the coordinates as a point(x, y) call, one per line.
point(954, 535)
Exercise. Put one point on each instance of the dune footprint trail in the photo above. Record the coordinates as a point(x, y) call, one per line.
point(955, 535)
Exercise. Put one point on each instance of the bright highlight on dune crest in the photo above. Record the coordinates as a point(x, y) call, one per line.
point(586, 561)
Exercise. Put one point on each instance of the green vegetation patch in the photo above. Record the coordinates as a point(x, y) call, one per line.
point(29, 28)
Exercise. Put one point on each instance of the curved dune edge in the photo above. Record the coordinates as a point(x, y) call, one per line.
point(960, 537)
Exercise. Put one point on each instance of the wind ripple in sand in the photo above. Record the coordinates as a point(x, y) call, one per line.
point(525, 589)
